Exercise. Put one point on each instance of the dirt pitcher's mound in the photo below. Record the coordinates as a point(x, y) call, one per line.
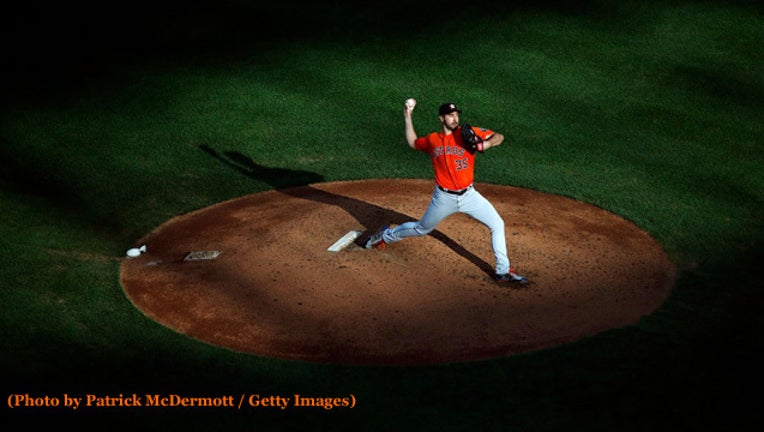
point(274, 290)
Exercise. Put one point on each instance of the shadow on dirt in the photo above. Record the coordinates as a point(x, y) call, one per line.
point(297, 183)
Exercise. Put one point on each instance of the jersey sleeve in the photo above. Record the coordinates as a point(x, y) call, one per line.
point(422, 144)
point(482, 132)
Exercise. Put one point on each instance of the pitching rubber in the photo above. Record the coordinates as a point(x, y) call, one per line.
point(344, 241)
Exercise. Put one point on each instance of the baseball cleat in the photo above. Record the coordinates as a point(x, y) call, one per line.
point(511, 278)
point(376, 241)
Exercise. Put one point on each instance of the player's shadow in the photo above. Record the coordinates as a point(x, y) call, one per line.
point(297, 183)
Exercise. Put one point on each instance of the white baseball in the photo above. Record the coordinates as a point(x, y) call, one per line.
point(410, 102)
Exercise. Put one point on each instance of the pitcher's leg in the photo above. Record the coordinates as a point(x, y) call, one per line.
point(441, 206)
point(476, 206)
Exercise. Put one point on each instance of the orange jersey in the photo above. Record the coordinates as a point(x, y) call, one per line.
point(454, 166)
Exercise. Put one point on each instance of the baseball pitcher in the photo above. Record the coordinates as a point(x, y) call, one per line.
point(452, 151)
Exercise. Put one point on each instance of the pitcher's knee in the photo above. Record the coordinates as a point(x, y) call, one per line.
point(421, 230)
point(497, 226)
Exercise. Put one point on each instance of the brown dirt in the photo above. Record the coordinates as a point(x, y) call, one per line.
point(275, 291)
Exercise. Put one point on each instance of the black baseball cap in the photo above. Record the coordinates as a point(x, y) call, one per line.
point(448, 108)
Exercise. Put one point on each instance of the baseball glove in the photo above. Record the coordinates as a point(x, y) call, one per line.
point(471, 141)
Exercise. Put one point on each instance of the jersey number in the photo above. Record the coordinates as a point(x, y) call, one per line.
point(462, 164)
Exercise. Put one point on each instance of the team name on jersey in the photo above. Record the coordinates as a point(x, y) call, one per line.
point(448, 150)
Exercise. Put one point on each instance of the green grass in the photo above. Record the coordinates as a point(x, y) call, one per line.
point(652, 111)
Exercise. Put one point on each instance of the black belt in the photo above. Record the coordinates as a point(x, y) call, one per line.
point(454, 192)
